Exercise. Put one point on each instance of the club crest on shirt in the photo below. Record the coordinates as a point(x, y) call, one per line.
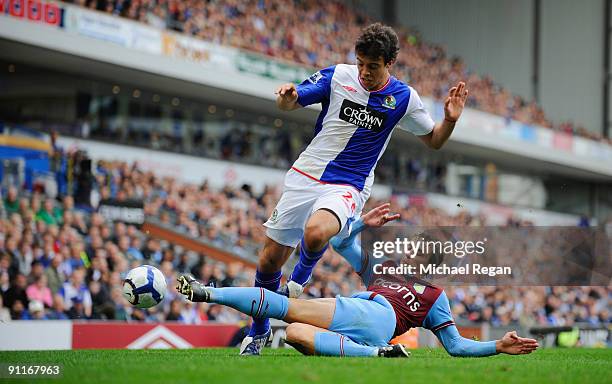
point(419, 288)
point(389, 102)
point(274, 217)
point(362, 116)
point(315, 77)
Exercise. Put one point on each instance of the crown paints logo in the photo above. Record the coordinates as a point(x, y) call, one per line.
point(362, 116)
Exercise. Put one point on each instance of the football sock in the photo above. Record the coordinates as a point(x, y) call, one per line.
point(335, 344)
point(253, 301)
point(308, 260)
point(269, 281)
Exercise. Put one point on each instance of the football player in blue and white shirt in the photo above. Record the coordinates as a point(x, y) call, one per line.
point(330, 182)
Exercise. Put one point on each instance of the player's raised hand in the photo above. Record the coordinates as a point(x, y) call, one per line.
point(379, 216)
point(288, 92)
point(454, 103)
point(512, 344)
point(287, 97)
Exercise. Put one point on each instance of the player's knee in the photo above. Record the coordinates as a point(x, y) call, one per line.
point(315, 237)
point(301, 337)
point(296, 333)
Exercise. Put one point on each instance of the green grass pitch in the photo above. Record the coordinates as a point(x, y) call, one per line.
point(287, 366)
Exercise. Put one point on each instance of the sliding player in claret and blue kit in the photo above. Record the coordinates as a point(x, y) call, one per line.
point(363, 324)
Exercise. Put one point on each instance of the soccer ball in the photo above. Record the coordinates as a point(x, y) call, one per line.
point(144, 286)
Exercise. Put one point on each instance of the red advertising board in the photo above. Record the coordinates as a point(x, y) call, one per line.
point(142, 336)
point(33, 10)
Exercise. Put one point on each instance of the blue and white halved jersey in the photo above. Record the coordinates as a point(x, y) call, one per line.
point(355, 125)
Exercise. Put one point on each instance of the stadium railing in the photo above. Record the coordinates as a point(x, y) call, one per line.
point(154, 227)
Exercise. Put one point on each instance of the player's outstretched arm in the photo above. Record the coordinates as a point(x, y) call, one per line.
point(350, 248)
point(287, 97)
point(459, 346)
point(453, 107)
point(440, 321)
point(377, 217)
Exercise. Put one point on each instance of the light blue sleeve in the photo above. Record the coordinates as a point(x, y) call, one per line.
point(459, 346)
point(316, 88)
point(350, 249)
point(439, 314)
point(440, 321)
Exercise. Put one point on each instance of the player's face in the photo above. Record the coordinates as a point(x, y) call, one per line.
point(373, 73)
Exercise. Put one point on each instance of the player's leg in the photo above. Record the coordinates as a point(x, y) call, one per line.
point(333, 212)
point(316, 312)
point(320, 227)
point(308, 331)
point(260, 302)
point(285, 227)
point(313, 316)
point(368, 319)
point(311, 340)
point(301, 337)
point(268, 275)
point(284, 231)
point(311, 320)
point(375, 326)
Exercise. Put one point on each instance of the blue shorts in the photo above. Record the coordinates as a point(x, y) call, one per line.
point(367, 322)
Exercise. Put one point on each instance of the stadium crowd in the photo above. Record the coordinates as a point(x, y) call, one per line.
point(320, 33)
point(61, 260)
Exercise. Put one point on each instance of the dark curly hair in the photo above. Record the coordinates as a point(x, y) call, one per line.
point(378, 40)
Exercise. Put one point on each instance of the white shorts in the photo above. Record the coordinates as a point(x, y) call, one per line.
point(302, 196)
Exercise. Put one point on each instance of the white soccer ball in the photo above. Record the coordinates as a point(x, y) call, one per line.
point(144, 286)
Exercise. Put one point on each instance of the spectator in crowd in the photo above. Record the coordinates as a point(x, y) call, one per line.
point(36, 310)
point(39, 291)
point(37, 269)
point(102, 304)
point(5, 313)
point(19, 311)
point(11, 203)
point(122, 309)
point(49, 214)
point(17, 292)
point(55, 275)
point(4, 282)
point(175, 311)
point(74, 292)
point(77, 309)
point(2, 207)
point(57, 311)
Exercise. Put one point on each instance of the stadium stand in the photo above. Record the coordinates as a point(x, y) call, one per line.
point(275, 148)
point(325, 38)
point(62, 260)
